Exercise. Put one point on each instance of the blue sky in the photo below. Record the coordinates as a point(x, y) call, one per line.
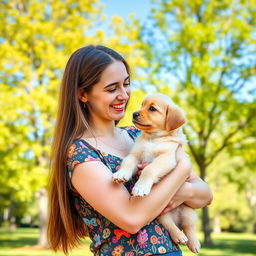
point(140, 8)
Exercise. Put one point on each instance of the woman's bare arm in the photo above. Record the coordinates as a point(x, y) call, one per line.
point(200, 192)
point(194, 193)
point(93, 180)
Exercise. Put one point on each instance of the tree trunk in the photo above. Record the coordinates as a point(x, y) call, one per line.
point(254, 228)
point(43, 216)
point(205, 221)
point(206, 227)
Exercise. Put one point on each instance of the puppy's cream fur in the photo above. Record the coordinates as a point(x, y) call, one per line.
point(160, 121)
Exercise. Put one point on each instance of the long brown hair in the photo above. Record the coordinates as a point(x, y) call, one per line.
point(83, 70)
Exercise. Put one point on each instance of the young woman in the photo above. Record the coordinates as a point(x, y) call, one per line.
point(88, 148)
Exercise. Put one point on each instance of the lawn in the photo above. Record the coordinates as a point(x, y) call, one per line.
point(20, 243)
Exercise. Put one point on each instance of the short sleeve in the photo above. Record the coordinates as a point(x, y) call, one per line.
point(133, 131)
point(79, 153)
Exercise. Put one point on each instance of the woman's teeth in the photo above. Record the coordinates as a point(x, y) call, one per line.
point(119, 106)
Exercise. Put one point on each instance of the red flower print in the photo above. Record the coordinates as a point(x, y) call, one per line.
point(158, 230)
point(131, 242)
point(71, 150)
point(119, 233)
point(142, 238)
point(129, 254)
point(118, 250)
point(153, 240)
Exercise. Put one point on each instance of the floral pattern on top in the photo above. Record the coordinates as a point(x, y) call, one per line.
point(107, 238)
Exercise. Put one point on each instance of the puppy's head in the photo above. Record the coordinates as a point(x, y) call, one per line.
point(158, 113)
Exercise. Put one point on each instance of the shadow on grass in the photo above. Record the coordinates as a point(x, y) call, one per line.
point(19, 238)
point(18, 242)
point(234, 246)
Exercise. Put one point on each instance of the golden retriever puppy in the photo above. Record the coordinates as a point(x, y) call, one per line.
point(160, 121)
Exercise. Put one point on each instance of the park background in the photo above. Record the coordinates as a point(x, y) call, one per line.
point(201, 53)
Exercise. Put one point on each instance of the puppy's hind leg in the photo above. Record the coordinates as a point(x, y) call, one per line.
point(177, 235)
point(188, 223)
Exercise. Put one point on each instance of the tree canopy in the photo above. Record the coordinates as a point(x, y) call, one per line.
point(201, 53)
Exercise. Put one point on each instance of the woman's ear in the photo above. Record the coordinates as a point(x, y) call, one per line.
point(82, 95)
point(174, 119)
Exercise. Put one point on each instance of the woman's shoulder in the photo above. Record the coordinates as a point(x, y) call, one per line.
point(132, 130)
point(79, 152)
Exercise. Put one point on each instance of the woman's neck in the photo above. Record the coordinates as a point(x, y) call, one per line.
point(101, 129)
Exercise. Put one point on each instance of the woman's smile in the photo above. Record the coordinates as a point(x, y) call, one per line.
point(120, 107)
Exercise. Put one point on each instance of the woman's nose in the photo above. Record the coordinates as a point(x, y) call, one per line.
point(124, 94)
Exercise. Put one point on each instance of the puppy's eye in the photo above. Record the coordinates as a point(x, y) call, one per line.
point(151, 108)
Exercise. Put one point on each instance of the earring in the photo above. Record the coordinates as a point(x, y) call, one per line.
point(84, 100)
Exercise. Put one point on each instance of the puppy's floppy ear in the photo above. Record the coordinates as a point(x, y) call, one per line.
point(174, 118)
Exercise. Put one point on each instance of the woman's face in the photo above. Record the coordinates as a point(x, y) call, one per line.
point(108, 98)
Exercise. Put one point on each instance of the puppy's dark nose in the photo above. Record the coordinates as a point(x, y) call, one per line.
point(135, 115)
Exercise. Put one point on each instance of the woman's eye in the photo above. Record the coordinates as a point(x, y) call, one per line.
point(127, 84)
point(151, 108)
point(112, 90)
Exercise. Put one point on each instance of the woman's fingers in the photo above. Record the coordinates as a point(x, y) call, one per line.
point(142, 165)
point(140, 168)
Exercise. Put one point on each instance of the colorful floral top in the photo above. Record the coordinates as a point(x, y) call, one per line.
point(107, 238)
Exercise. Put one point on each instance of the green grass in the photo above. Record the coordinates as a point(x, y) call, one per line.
point(21, 242)
point(228, 244)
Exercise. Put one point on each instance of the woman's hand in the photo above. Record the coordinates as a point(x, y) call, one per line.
point(140, 168)
point(195, 193)
point(179, 198)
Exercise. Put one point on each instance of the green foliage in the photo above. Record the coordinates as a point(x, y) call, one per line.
point(204, 51)
point(36, 39)
point(201, 53)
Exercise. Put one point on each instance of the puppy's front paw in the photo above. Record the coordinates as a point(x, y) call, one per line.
point(121, 176)
point(141, 189)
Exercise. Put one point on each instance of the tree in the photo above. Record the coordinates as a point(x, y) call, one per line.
point(204, 51)
point(230, 209)
point(36, 39)
point(245, 175)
